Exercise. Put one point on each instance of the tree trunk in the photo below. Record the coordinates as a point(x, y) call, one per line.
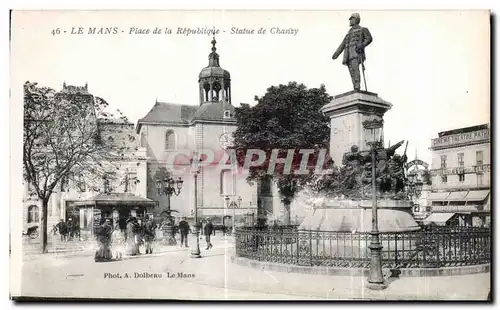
point(286, 214)
point(43, 226)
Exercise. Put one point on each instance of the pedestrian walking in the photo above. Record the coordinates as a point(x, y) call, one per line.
point(76, 230)
point(208, 230)
point(131, 237)
point(63, 230)
point(118, 242)
point(69, 228)
point(149, 231)
point(184, 231)
point(104, 233)
point(139, 232)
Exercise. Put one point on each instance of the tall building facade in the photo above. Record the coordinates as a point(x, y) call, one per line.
point(461, 164)
point(173, 134)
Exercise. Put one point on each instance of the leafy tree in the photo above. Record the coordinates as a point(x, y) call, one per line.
point(286, 118)
point(62, 140)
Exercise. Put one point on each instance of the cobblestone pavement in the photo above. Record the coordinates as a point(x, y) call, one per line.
point(214, 277)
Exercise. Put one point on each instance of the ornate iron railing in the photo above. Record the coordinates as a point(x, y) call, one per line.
point(428, 248)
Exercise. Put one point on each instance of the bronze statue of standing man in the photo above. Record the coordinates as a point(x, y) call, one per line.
point(353, 47)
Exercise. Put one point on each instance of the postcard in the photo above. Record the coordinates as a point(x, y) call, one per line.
point(250, 155)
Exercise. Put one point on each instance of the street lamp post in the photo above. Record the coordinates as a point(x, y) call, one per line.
point(375, 277)
point(168, 187)
point(195, 246)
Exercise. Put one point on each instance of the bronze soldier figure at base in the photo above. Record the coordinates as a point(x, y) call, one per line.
point(353, 47)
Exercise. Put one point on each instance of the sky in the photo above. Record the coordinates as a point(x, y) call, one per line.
point(433, 66)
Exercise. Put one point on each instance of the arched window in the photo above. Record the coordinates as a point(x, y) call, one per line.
point(169, 140)
point(33, 214)
point(226, 182)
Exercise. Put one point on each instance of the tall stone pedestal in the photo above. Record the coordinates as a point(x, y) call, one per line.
point(347, 113)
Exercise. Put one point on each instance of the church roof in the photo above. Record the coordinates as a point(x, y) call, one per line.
point(180, 114)
point(214, 112)
point(168, 113)
point(214, 72)
point(163, 112)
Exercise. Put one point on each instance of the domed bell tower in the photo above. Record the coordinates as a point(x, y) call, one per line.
point(215, 82)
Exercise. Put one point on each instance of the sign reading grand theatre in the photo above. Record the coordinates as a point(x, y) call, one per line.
point(461, 139)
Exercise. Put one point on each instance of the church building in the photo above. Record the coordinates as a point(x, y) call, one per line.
point(174, 133)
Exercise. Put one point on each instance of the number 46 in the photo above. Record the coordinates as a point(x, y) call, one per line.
point(56, 31)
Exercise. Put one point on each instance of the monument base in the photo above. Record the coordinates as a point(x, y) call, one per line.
point(356, 216)
point(347, 113)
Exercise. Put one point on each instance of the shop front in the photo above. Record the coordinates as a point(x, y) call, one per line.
point(472, 206)
point(118, 207)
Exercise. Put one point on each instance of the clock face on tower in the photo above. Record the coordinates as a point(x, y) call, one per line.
point(226, 140)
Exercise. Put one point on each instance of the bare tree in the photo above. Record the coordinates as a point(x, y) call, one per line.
point(61, 140)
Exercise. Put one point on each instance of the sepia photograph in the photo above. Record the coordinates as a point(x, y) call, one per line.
point(250, 155)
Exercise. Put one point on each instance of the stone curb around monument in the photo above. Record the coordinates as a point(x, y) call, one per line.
point(358, 272)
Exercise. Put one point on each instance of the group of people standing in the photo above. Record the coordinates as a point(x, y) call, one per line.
point(67, 230)
point(114, 242)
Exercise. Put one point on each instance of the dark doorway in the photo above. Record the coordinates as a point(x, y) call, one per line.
point(123, 215)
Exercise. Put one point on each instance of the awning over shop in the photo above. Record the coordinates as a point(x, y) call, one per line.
point(457, 196)
point(477, 195)
point(116, 199)
point(438, 196)
point(438, 218)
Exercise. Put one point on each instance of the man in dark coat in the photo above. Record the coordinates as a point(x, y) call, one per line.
point(149, 230)
point(208, 230)
point(353, 47)
point(63, 231)
point(104, 233)
point(184, 230)
point(70, 228)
